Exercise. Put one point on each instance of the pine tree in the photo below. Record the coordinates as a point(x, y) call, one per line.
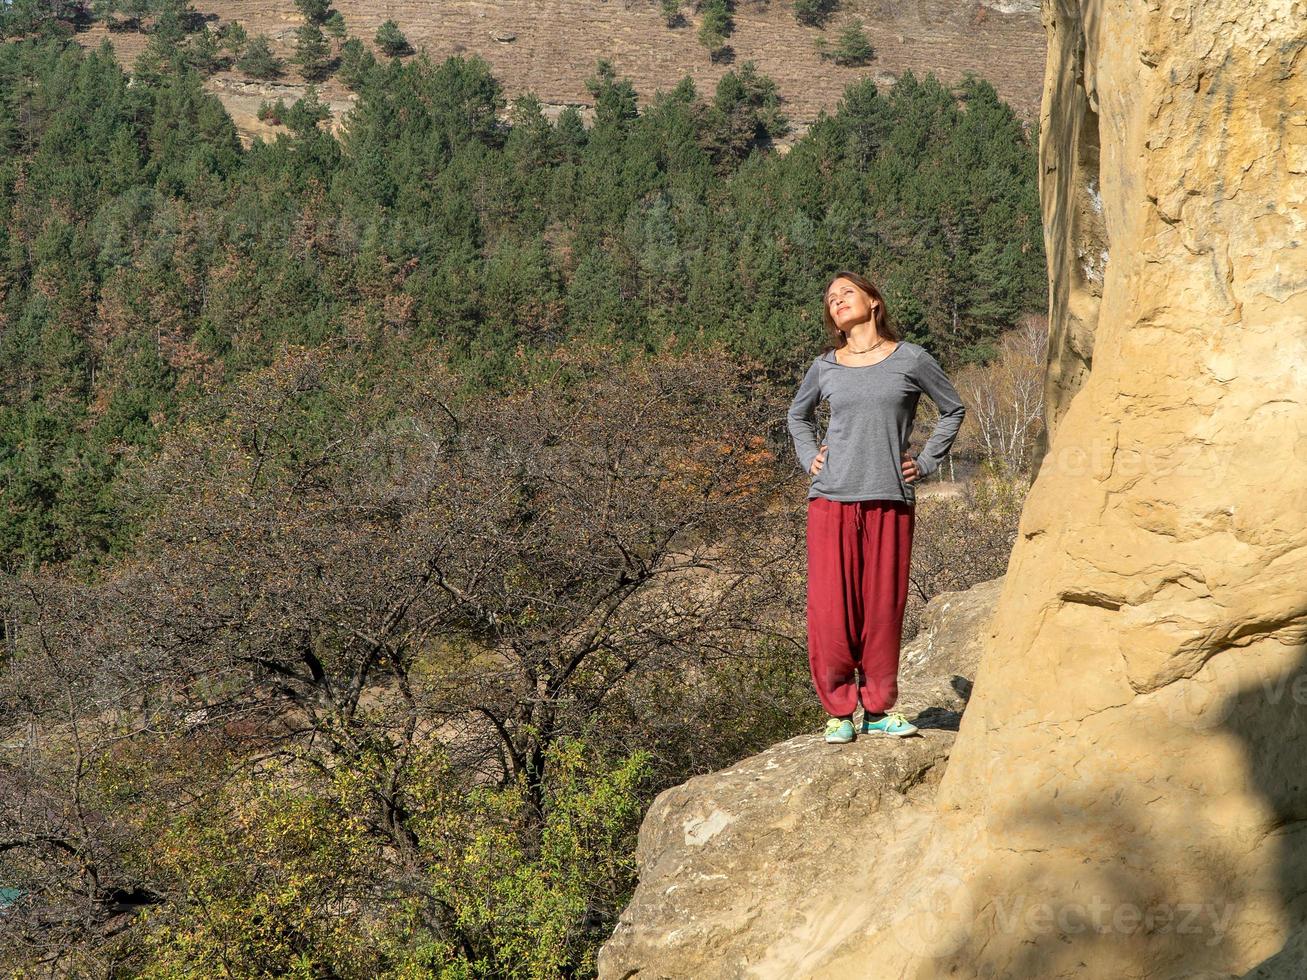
point(108, 11)
point(202, 54)
point(233, 37)
point(356, 64)
point(532, 146)
point(272, 112)
point(312, 53)
point(303, 117)
point(715, 27)
point(814, 13)
point(615, 101)
point(745, 113)
point(173, 19)
point(314, 11)
point(572, 135)
point(258, 61)
point(391, 40)
point(853, 47)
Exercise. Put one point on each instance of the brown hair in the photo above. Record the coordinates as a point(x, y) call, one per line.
point(884, 326)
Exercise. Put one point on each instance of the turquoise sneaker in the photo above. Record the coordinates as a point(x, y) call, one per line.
point(892, 723)
point(839, 730)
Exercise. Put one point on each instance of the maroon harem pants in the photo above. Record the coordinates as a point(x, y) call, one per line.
point(858, 558)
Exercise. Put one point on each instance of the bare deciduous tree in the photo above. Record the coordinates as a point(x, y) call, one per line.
point(1005, 399)
point(345, 580)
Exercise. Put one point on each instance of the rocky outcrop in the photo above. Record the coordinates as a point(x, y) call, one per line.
point(1127, 793)
point(743, 872)
point(242, 98)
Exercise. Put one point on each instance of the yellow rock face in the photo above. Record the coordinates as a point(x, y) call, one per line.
point(1127, 795)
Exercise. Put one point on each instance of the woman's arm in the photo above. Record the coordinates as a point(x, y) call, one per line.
point(801, 419)
point(930, 378)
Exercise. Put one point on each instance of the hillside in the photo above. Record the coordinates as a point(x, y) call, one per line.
point(555, 45)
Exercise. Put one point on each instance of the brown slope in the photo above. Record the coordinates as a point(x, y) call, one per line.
point(556, 43)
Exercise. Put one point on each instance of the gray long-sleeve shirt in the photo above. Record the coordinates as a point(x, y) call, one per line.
point(872, 410)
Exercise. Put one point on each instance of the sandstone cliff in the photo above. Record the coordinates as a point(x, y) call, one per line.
point(1127, 793)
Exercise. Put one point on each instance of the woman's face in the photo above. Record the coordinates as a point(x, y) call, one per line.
point(848, 304)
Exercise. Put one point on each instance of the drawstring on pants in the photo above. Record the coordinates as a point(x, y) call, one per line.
point(857, 516)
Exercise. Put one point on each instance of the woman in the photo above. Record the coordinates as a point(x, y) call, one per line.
point(862, 500)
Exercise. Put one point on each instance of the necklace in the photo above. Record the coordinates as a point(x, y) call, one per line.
point(868, 350)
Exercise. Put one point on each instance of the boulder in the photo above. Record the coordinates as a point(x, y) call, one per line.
point(740, 869)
